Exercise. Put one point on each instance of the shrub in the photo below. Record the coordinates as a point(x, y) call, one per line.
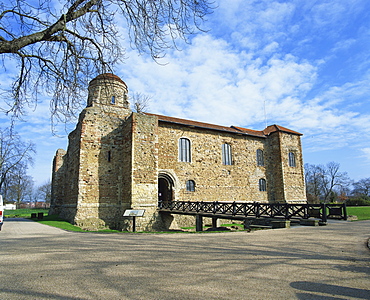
point(358, 201)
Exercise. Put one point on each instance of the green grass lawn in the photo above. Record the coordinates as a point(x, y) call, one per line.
point(55, 221)
point(362, 212)
point(51, 220)
point(23, 212)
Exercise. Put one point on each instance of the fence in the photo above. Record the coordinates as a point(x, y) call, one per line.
point(242, 210)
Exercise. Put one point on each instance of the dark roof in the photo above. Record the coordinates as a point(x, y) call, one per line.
point(108, 76)
point(232, 129)
point(274, 128)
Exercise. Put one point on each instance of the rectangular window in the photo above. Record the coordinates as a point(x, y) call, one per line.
point(190, 186)
point(262, 185)
point(226, 154)
point(184, 150)
point(292, 159)
point(260, 160)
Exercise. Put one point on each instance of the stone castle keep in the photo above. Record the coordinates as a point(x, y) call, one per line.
point(118, 159)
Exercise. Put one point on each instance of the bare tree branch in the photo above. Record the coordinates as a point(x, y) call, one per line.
point(140, 102)
point(13, 154)
point(58, 50)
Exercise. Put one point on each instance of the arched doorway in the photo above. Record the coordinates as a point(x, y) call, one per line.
point(165, 188)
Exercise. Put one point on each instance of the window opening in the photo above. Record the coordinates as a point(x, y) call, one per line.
point(262, 185)
point(190, 186)
point(292, 162)
point(113, 100)
point(184, 150)
point(226, 154)
point(260, 160)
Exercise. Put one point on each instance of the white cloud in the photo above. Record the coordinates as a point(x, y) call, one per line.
point(258, 55)
point(366, 154)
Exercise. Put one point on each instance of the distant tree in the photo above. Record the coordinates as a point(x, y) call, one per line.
point(314, 182)
point(343, 197)
point(140, 102)
point(44, 191)
point(334, 180)
point(324, 183)
point(361, 187)
point(15, 155)
point(59, 46)
point(19, 185)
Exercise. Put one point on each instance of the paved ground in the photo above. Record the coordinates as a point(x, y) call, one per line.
point(41, 262)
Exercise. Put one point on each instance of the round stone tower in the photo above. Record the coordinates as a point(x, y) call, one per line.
point(108, 90)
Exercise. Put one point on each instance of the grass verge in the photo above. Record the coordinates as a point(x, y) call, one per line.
point(55, 221)
point(362, 212)
point(23, 212)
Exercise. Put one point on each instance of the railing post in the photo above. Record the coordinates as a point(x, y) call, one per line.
point(306, 208)
point(215, 206)
point(198, 223)
point(286, 211)
point(324, 216)
point(344, 211)
point(257, 209)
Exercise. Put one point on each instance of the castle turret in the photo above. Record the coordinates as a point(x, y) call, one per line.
point(108, 91)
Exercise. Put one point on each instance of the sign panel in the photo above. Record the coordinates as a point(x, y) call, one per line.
point(134, 212)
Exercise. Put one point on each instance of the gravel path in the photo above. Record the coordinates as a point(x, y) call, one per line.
point(328, 262)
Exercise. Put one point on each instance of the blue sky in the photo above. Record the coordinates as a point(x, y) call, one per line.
point(300, 64)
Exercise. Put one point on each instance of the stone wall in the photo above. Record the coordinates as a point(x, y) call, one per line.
point(214, 181)
point(145, 171)
point(115, 158)
point(293, 177)
point(100, 161)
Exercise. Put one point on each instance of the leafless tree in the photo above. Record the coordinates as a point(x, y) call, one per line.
point(59, 46)
point(362, 187)
point(313, 180)
point(19, 185)
point(44, 192)
point(322, 182)
point(140, 102)
point(14, 154)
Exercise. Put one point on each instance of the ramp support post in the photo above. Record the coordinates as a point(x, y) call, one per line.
point(198, 223)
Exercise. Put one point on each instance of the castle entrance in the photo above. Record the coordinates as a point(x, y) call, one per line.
point(165, 188)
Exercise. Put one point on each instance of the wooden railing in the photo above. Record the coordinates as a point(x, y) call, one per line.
point(256, 210)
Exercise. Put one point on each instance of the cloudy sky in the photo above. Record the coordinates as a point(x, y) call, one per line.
point(300, 64)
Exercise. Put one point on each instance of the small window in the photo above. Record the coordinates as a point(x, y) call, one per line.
point(260, 160)
point(262, 185)
point(109, 156)
point(113, 100)
point(190, 186)
point(184, 150)
point(226, 154)
point(292, 159)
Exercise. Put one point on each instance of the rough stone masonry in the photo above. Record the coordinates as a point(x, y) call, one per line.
point(118, 159)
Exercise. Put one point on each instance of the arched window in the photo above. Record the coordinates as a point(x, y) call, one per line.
point(260, 160)
point(292, 159)
point(226, 154)
point(190, 186)
point(184, 150)
point(262, 185)
point(113, 100)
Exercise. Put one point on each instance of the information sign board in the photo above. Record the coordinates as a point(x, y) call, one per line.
point(134, 212)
